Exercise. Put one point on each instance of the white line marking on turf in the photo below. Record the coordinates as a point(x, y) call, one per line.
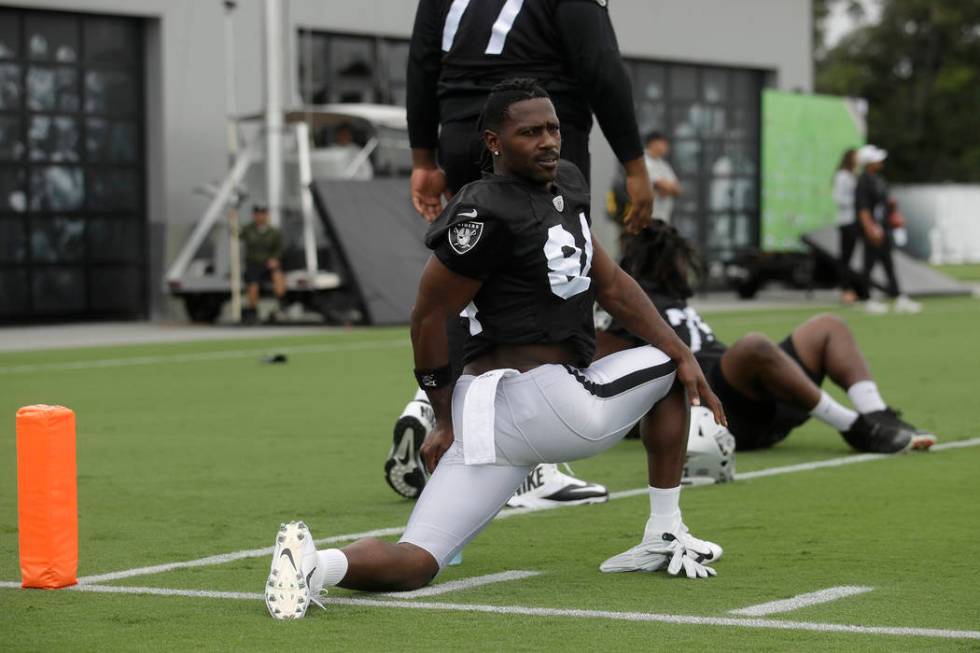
point(801, 601)
point(504, 514)
point(201, 356)
point(734, 622)
point(229, 557)
point(464, 584)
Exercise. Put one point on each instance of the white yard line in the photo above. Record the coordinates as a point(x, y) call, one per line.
point(229, 557)
point(731, 622)
point(801, 601)
point(464, 584)
point(201, 356)
point(398, 530)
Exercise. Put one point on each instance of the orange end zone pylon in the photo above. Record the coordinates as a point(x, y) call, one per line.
point(47, 496)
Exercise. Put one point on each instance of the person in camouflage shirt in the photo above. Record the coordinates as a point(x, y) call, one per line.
point(263, 253)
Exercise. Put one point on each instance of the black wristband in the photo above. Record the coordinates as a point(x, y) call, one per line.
point(434, 379)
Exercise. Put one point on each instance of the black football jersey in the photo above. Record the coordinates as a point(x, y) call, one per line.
point(532, 248)
point(461, 48)
point(688, 325)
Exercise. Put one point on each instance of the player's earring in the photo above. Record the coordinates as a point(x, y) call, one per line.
point(496, 153)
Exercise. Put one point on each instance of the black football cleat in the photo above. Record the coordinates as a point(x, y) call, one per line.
point(872, 433)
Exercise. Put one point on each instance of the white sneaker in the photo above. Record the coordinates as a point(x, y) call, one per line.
point(905, 305)
point(874, 307)
point(291, 585)
point(404, 470)
point(675, 550)
point(546, 486)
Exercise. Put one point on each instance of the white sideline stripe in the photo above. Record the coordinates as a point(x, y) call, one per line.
point(464, 584)
point(736, 622)
point(504, 514)
point(801, 601)
point(847, 460)
point(201, 356)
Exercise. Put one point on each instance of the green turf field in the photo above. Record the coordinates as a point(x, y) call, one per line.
point(962, 271)
point(193, 450)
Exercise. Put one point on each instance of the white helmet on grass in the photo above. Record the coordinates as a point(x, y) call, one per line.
point(710, 450)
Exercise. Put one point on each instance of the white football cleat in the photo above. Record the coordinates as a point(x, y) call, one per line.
point(545, 486)
point(404, 470)
point(291, 585)
point(674, 550)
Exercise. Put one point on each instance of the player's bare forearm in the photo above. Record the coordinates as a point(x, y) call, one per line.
point(442, 294)
point(623, 298)
point(626, 301)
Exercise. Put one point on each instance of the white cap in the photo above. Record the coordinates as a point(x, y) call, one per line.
point(870, 154)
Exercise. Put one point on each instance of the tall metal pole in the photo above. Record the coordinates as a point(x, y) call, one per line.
point(234, 256)
point(273, 109)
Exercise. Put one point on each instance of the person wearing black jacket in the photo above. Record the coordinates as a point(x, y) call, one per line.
point(873, 213)
point(459, 50)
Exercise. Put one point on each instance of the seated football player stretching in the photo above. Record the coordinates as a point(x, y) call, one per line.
point(767, 389)
point(515, 247)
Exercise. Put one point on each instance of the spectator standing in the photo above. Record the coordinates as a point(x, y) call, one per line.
point(263, 254)
point(845, 183)
point(656, 147)
point(873, 208)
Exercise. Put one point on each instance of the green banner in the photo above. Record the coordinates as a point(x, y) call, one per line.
point(803, 137)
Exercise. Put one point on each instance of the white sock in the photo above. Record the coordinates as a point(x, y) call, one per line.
point(831, 412)
point(665, 511)
point(332, 567)
point(865, 397)
point(421, 396)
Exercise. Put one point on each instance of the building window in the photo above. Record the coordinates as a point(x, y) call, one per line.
point(346, 68)
point(712, 117)
point(72, 220)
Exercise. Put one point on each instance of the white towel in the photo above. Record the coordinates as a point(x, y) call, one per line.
point(478, 441)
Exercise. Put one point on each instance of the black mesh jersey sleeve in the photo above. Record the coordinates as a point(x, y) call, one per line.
point(424, 64)
point(592, 54)
point(469, 239)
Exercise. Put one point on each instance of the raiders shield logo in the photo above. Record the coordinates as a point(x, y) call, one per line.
point(464, 236)
point(559, 203)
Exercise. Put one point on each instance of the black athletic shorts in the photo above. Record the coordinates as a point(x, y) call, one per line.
point(759, 424)
point(257, 273)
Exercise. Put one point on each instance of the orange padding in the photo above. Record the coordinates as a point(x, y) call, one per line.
point(47, 496)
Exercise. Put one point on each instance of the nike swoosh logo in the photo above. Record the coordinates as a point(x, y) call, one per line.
point(467, 215)
point(287, 552)
point(310, 575)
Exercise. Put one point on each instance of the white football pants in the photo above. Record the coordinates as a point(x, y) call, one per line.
point(553, 413)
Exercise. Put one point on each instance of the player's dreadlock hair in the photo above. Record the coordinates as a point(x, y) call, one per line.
point(502, 95)
point(662, 260)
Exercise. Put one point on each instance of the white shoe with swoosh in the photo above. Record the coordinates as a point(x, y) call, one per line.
point(288, 590)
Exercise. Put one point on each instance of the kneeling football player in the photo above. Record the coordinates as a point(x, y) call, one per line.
point(515, 250)
point(767, 389)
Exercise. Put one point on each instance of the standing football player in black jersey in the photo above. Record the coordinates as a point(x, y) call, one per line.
point(767, 389)
point(516, 249)
point(459, 50)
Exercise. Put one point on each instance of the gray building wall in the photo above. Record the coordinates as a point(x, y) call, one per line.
point(185, 77)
